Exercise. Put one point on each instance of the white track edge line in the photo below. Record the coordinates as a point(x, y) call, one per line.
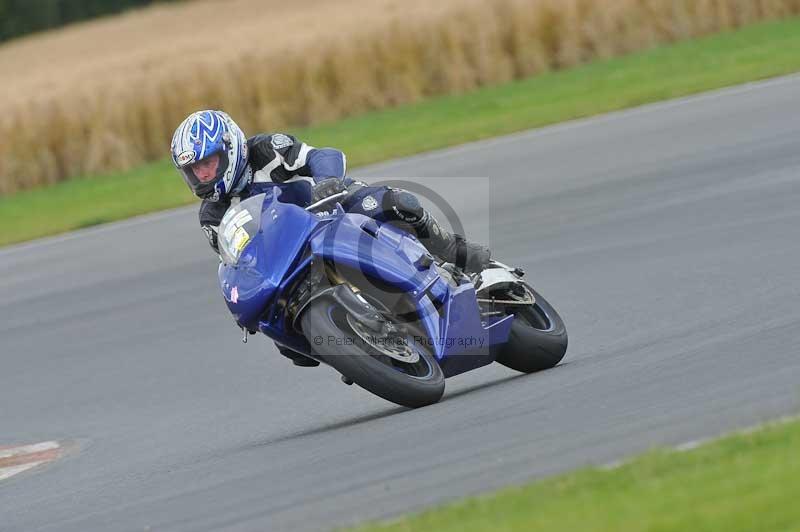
point(699, 442)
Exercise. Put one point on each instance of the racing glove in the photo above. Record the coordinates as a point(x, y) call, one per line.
point(327, 187)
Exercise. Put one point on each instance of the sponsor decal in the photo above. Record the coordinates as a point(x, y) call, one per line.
point(240, 239)
point(243, 217)
point(280, 141)
point(237, 220)
point(235, 233)
point(185, 157)
point(369, 203)
point(235, 294)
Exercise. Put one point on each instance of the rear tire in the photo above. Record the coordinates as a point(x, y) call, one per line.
point(411, 385)
point(538, 338)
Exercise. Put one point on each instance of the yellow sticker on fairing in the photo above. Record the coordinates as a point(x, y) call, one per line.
point(240, 239)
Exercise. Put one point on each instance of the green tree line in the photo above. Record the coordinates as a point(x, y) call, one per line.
point(20, 17)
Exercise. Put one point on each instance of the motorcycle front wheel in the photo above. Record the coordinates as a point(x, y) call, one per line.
point(393, 367)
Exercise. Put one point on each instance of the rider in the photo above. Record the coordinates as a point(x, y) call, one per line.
point(221, 166)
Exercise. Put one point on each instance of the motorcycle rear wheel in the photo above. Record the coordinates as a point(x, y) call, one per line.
point(333, 339)
point(538, 338)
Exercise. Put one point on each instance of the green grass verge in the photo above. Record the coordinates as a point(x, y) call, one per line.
point(741, 483)
point(756, 52)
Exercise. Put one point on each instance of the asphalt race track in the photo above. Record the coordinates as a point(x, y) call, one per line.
point(667, 236)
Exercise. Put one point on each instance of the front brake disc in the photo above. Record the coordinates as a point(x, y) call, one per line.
point(393, 346)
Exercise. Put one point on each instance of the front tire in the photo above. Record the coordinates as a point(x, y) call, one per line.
point(538, 338)
point(412, 385)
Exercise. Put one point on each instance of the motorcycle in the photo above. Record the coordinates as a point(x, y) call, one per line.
point(369, 300)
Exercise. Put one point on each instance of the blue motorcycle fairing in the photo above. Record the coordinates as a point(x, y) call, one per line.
point(250, 285)
point(467, 340)
point(390, 257)
point(383, 253)
point(271, 260)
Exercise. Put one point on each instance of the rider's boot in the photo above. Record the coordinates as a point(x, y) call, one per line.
point(469, 256)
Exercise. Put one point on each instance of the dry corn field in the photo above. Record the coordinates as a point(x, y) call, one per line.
point(106, 95)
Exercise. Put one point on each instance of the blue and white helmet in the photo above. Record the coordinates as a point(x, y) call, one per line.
point(195, 146)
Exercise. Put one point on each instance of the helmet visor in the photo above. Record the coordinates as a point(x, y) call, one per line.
point(202, 175)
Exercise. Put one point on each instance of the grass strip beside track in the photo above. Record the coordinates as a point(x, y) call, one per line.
point(739, 483)
point(753, 53)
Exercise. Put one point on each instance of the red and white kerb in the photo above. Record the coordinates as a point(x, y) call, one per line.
point(15, 460)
